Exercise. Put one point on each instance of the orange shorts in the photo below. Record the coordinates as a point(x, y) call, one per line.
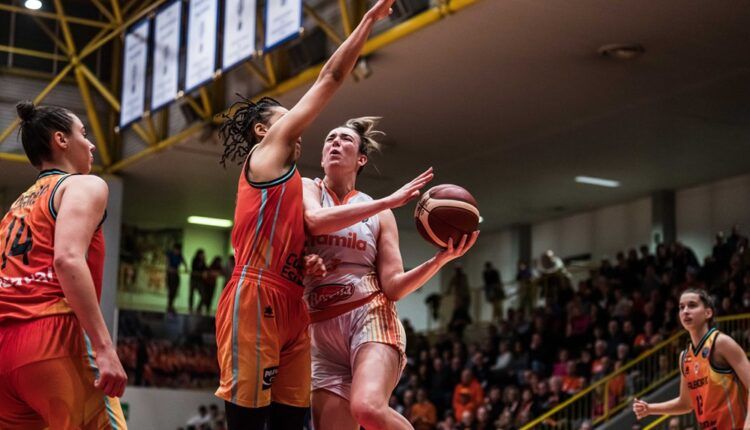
point(47, 378)
point(263, 344)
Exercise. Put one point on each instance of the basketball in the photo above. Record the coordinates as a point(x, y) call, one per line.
point(446, 211)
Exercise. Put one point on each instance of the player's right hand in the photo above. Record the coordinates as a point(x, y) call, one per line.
point(381, 9)
point(409, 191)
point(640, 408)
point(112, 377)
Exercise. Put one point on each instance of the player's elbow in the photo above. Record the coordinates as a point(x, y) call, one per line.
point(66, 260)
point(392, 293)
point(314, 224)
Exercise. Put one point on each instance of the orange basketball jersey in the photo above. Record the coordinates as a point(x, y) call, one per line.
point(269, 229)
point(29, 287)
point(719, 398)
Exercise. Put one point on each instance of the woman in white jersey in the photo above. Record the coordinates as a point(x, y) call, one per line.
point(358, 341)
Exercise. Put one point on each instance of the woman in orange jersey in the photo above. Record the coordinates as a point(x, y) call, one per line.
point(715, 372)
point(358, 342)
point(261, 321)
point(58, 368)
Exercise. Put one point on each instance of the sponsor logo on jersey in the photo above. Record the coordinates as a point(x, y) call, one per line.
point(325, 295)
point(269, 374)
point(349, 241)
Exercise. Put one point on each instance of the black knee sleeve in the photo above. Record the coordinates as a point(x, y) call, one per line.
point(242, 418)
point(285, 417)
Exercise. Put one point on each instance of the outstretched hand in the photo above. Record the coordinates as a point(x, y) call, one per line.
point(452, 252)
point(640, 408)
point(409, 191)
point(381, 9)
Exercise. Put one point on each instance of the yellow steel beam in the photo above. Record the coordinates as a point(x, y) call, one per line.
point(327, 29)
point(117, 11)
point(93, 116)
point(255, 70)
point(19, 158)
point(53, 37)
point(164, 144)
point(32, 53)
point(193, 104)
point(52, 84)
point(48, 15)
point(151, 128)
point(270, 72)
point(85, 52)
point(65, 29)
point(144, 135)
point(103, 10)
point(346, 18)
point(206, 102)
point(100, 87)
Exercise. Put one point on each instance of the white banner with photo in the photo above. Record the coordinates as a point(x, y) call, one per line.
point(201, 43)
point(283, 21)
point(239, 32)
point(133, 100)
point(166, 55)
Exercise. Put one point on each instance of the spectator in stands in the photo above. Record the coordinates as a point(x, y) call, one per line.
point(493, 290)
point(423, 414)
point(174, 260)
point(198, 273)
point(200, 419)
point(468, 394)
point(213, 272)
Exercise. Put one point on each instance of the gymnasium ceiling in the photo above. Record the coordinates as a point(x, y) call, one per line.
point(510, 99)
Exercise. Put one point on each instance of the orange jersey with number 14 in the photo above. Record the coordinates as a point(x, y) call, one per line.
point(719, 398)
point(29, 287)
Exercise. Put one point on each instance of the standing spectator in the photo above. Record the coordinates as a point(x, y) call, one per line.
point(493, 290)
point(209, 287)
point(526, 288)
point(174, 260)
point(198, 274)
point(423, 413)
point(459, 287)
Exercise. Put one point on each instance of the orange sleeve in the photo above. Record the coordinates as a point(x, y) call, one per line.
point(431, 417)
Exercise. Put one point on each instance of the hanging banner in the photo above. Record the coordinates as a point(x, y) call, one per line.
point(166, 55)
point(201, 43)
point(133, 100)
point(239, 32)
point(283, 21)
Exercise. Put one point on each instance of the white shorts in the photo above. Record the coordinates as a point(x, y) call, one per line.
point(335, 342)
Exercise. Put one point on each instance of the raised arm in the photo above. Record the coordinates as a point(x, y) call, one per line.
point(396, 283)
point(279, 143)
point(677, 406)
point(82, 201)
point(320, 220)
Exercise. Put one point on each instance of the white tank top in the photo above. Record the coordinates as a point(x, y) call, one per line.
point(349, 255)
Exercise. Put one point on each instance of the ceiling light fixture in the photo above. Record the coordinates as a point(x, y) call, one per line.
point(33, 4)
point(212, 222)
point(622, 51)
point(609, 183)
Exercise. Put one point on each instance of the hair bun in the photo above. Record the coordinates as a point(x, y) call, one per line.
point(26, 110)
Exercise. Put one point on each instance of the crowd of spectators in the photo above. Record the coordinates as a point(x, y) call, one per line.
point(537, 357)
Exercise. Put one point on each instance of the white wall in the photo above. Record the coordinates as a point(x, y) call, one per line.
point(164, 409)
point(602, 232)
point(706, 209)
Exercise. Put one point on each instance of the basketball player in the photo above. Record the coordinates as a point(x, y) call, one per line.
point(58, 367)
point(715, 372)
point(261, 321)
point(358, 342)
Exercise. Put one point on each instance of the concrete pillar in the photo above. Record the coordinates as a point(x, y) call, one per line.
point(663, 218)
point(111, 229)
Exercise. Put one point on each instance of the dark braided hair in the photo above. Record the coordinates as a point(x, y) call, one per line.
point(237, 130)
point(38, 124)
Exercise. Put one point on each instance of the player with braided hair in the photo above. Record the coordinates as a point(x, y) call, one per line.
point(261, 320)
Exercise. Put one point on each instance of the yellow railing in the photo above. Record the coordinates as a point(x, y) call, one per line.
point(663, 422)
point(609, 395)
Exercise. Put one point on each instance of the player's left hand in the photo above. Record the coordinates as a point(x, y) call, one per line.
point(452, 252)
point(314, 266)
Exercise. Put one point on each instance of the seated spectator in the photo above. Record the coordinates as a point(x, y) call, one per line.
point(200, 419)
point(468, 395)
point(423, 414)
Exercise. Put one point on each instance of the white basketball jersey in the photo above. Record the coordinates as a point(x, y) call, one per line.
point(349, 254)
